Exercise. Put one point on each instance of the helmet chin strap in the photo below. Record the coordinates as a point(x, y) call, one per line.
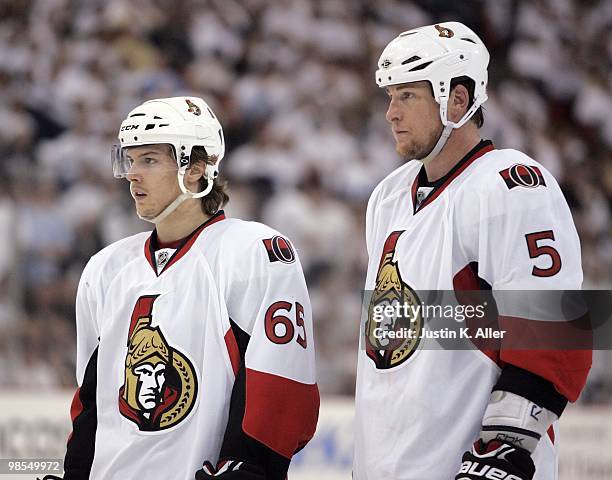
point(449, 126)
point(168, 210)
point(446, 131)
point(185, 195)
point(439, 144)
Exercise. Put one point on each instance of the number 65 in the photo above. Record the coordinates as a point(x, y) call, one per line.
point(274, 319)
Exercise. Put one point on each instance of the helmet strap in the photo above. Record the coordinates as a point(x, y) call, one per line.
point(440, 144)
point(448, 128)
point(185, 195)
point(168, 210)
point(209, 173)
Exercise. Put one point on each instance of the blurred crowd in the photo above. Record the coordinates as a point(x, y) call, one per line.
point(292, 82)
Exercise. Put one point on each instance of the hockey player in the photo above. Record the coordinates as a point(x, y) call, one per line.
point(460, 215)
point(194, 341)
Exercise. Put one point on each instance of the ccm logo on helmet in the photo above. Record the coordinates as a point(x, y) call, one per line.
point(129, 127)
point(486, 471)
point(522, 176)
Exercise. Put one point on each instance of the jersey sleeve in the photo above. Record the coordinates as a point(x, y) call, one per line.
point(528, 246)
point(83, 412)
point(275, 399)
point(370, 226)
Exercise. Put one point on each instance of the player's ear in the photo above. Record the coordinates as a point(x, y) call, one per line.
point(195, 171)
point(458, 103)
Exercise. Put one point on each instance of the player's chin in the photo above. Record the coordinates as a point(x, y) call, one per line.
point(405, 149)
point(144, 211)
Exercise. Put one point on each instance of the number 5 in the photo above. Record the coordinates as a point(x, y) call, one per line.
point(535, 251)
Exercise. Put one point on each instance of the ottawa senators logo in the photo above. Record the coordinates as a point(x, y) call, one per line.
point(391, 339)
point(522, 176)
point(160, 385)
point(193, 108)
point(279, 249)
point(444, 32)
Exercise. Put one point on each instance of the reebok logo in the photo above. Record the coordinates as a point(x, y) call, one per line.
point(507, 438)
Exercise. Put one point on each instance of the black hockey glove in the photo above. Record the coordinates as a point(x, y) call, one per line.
point(230, 469)
point(497, 460)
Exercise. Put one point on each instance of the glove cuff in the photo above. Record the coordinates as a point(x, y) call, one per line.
point(516, 420)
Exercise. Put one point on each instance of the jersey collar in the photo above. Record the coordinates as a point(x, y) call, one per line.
point(152, 243)
point(478, 151)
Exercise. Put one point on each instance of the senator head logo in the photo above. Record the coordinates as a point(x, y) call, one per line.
point(160, 385)
point(392, 338)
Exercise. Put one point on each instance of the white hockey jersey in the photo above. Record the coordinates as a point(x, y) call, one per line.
point(497, 217)
point(162, 338)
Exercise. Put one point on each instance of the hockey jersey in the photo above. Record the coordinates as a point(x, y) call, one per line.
point(190, 354)
point(498, 218)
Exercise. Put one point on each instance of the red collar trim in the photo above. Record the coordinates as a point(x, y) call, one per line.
point(152, 244)
point(478, 151)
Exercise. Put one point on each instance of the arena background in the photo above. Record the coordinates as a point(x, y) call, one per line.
point(292, 82)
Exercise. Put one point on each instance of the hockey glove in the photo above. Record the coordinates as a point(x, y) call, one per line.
point(230, 469)
point(496, 460)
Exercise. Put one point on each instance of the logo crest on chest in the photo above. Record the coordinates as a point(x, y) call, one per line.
point(160, 385)
point(392, 330)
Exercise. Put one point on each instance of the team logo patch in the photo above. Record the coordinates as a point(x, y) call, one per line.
point(193, 108)
point(391, 290)
point(279, 249)
point(444, 32)
point(519, 175)
point(160, 385)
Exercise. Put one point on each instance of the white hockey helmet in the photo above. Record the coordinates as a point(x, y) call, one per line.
point(183, 123)
point(437, 53)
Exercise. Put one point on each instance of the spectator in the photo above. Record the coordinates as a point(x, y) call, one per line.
point(292, 83)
